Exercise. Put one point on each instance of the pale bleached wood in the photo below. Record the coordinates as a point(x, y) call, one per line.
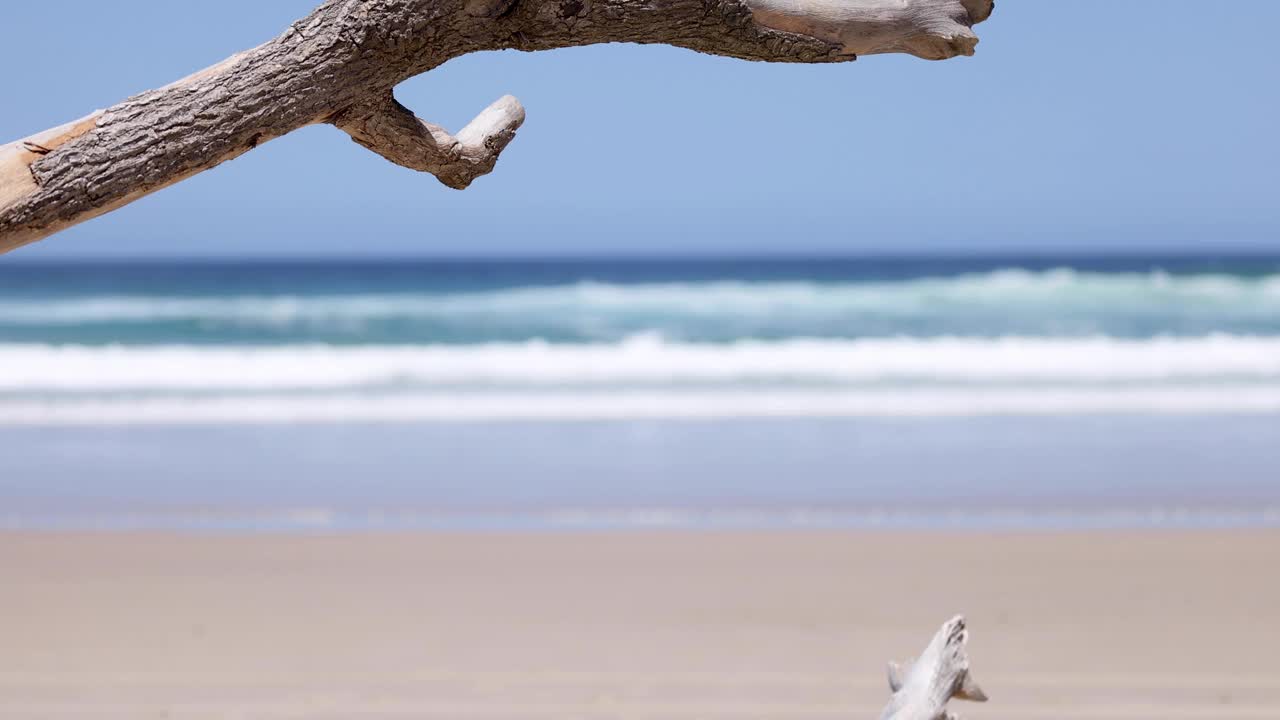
point(931, 30)
point(340, 64)
point(923, 687)
point(394, 132)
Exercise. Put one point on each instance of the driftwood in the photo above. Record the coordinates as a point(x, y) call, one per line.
point(340, 64)
point(922, 689)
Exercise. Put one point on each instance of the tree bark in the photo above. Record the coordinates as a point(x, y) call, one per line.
point(340, 64)
point(922, 689)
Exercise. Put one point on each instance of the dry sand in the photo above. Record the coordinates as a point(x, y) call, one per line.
point(632, 625)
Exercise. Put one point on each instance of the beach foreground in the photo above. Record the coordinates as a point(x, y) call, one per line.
point(632, 625)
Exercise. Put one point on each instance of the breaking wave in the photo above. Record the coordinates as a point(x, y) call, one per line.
point(1004, 302)
point(642, 377)
point(643, 360)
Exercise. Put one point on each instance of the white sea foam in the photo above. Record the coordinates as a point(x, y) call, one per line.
point(643, 360)
point(638, 405)
point(642, 377)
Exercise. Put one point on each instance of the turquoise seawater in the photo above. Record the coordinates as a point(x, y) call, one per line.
point(412, 340)
point(602, 302)
point(919, 392)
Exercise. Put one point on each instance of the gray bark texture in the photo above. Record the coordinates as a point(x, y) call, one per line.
point(340, 65)
point(922, 688)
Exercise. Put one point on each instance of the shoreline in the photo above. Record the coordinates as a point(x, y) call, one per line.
point(343, 475)
point(320, 521)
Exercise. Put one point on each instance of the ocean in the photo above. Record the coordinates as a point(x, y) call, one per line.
point(1116, 364)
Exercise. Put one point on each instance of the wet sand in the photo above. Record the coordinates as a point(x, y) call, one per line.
point(632, 625)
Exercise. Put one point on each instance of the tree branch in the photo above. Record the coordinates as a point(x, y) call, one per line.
point(922, 690)
point(394, 132)
point(933, 31)
point(341, 63)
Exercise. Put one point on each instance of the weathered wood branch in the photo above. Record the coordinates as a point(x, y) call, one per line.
point(394, 132)
point(922, 689)
point(340, 64)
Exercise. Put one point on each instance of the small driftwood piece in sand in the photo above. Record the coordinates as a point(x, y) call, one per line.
point(922, 689)
point(340, 65)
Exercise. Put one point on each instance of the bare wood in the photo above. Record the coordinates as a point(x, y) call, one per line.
point(16, 178)
point(922, 688)
point(340, 64)
point(394, 132)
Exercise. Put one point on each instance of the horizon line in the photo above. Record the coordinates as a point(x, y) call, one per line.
point(1224, 253)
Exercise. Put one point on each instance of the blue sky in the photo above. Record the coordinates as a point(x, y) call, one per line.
point(1090, 125)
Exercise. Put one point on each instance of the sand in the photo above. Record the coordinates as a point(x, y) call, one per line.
point(632, 625)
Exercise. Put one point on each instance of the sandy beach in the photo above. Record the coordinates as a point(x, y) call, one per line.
point(632, 625)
